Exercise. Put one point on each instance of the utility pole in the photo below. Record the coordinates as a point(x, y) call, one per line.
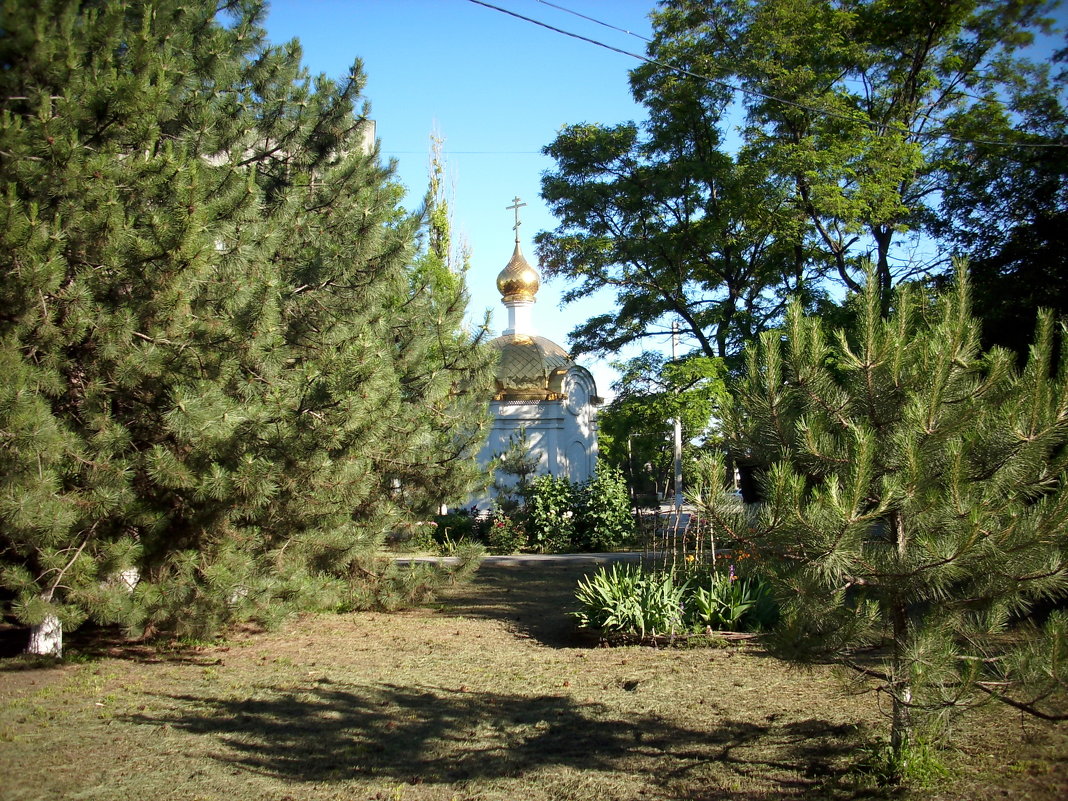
point(678, 426)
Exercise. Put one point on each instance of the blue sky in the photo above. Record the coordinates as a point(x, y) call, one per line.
point(496, 89)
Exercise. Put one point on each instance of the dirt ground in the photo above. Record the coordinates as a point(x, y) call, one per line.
point(492, 694)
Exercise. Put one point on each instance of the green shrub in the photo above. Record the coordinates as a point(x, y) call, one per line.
point(916, 765)
point(632, 601)
point(729, 602)
point(605, 521)
point(625, 600)
point(559, 517)
point(460, 525)
point(550, 516)
point(662, 603)
point(383, 584)
point(413, 536)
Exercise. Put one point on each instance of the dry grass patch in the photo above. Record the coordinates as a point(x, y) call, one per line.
point(490, 696)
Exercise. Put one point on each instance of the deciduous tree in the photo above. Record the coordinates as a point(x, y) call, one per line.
point(1005, 206)
point(636, 427)
point(855, 120)
point(674, 228)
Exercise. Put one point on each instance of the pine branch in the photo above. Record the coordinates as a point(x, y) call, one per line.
point(990, 689)
point(875, 674)
point(57, 581)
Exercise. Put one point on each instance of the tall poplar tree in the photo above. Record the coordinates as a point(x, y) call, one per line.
point(221, 383)
point(914, 502)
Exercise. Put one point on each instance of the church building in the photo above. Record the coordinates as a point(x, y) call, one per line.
point(539, 391)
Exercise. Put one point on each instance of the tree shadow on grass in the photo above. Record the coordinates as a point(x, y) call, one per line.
point(532, 600)
point(333, 733)
point(92, 642)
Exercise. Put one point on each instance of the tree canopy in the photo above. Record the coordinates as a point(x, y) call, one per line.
point(635, 428)
point(858, 122)
point(223, 376)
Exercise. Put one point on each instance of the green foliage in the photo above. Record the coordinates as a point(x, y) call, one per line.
point(460, 525)
point(626, 600)
point(914, 497)
point(857, 102)
point(635, 601)
point(1006, 205)
point(550, 514)
point(200, 594)
point(727, 601)
point(384, 585)
point(560, 517)
point(918, 765)
point(604, 517)
point(650, 393)
point(865, 125)
point(672, 225)
point(225, 365)
point(514, 471)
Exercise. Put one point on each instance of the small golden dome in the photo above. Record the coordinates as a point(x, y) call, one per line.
point(518, 280)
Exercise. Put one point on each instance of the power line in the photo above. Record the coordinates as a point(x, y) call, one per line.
point(743, 90)
point(648, 60)
point(595, 20)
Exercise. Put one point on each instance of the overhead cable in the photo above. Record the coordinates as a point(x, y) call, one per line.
point(824, 112)
point(595, 20)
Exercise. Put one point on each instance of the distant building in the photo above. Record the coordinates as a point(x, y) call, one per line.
point(539, 390)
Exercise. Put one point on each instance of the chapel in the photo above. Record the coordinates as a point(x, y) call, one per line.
point(539, 391)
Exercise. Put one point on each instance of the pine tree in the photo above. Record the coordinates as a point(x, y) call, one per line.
point(223, 384)
point(514, 470)
point(914, 503)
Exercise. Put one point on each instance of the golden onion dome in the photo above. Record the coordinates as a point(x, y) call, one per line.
point(530, 368)
point(518, 280)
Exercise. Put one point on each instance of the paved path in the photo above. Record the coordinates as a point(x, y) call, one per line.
point(525, 559)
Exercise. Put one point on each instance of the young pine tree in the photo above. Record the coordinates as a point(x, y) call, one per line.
point(219, 378)
point(514, 469)
point(913, 502)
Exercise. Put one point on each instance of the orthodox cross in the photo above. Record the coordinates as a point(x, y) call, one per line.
point(516, 206)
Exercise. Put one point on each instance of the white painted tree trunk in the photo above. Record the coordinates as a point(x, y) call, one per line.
point(129, 578)
point(46, 638)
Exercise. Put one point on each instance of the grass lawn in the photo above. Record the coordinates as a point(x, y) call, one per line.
point(492, 695)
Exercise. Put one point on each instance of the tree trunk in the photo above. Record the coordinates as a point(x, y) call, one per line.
point(901, 690)
point(883, 235)
point(901, 684)
point(46, 638)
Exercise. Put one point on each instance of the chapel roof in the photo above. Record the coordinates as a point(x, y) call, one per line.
point(530, 368)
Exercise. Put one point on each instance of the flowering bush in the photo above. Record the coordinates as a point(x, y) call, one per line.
point(506, 535)
point(605, 521)
point(550, 516)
